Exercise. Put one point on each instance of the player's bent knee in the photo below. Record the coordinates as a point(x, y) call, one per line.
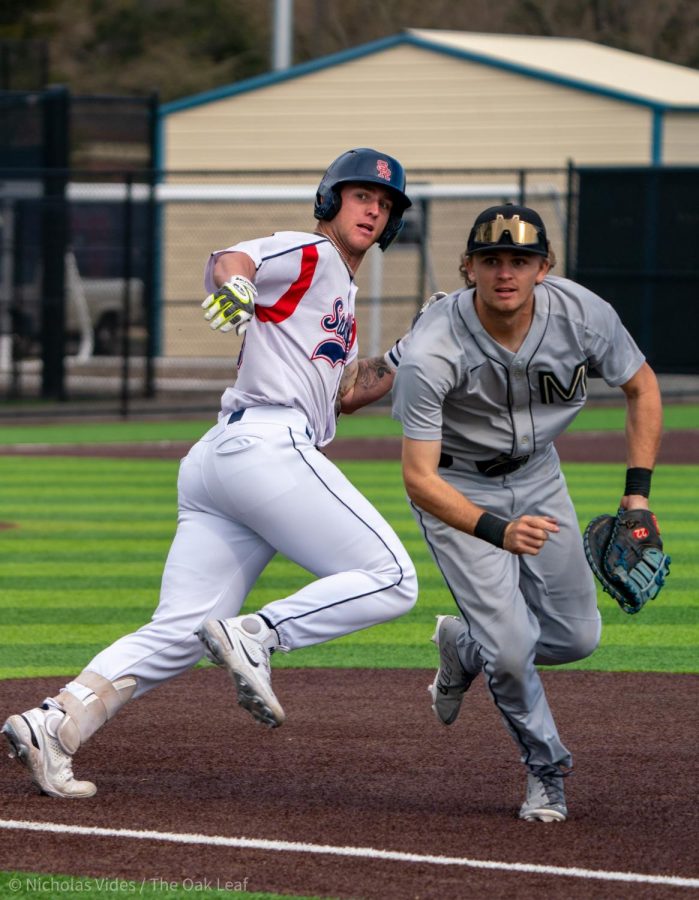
point(580, 640)
point(83, 717)
point(408, 588)
point(401, 597)
point(396, 570)
point(585, 640)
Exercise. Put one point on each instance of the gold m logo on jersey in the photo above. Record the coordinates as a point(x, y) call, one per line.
point(550, 387)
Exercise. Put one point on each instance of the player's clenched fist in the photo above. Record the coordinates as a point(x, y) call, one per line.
point(528, 534)
point(232, 305)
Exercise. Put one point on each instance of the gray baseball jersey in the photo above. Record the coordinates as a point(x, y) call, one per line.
point(497, 414)
point(458, 385)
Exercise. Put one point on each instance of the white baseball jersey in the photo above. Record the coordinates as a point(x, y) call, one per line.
point(256, 483)
point(457, 384)
point(304, 330)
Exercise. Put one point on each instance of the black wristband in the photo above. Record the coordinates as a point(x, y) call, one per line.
point(491, 528)
point(638, 482)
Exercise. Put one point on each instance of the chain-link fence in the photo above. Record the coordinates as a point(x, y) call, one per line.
point(116, 325)
point(101, 274)
point(76, 268)
point(102, 255)
point(76, 253)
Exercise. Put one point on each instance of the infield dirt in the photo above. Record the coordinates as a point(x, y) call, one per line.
point(362, 762)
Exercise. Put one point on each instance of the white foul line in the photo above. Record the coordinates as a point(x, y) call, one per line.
point(328, 849)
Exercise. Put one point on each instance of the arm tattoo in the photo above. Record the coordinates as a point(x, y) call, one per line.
point(366, 381)
point(348, 380)
point(371, 371)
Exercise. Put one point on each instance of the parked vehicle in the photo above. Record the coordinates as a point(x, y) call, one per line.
point(97, 294)
point(94, 312)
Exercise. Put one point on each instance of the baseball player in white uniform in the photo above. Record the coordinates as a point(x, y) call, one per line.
point(489, 378)
point(257, 482)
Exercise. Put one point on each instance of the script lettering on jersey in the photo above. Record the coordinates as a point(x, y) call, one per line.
point(343, 328)
point(549, 385)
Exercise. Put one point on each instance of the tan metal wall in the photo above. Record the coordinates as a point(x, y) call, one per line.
point(681, 144)
point(425, 108)
point(429, 110)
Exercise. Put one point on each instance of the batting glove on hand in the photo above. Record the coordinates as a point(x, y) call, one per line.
point(231, 306)
point(392, 356)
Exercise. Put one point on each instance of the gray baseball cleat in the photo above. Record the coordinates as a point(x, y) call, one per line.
point(452, 680)
point(546, 800)
point(243, 646)
point(35, 747)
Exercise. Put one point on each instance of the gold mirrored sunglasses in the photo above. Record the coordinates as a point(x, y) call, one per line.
point(520, 232)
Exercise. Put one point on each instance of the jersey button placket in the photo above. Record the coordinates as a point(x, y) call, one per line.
point(520, 408)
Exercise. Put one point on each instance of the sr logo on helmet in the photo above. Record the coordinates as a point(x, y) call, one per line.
point(383, 169)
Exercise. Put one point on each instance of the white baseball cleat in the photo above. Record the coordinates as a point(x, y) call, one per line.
point(243, 646)
point(34, 745)
point(451, 681)
point(546, 800)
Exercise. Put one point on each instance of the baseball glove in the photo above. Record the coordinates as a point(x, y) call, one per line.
point(626, 554)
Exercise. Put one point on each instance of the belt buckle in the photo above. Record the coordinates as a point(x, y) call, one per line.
point(500, 465)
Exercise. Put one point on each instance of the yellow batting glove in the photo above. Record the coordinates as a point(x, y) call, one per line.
point(231, 306)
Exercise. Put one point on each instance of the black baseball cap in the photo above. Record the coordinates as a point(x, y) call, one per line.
point(508, 227)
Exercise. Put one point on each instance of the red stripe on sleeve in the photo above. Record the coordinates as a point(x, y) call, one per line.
point(287, 303)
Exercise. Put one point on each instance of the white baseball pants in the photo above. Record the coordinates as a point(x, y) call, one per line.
point(247, 490)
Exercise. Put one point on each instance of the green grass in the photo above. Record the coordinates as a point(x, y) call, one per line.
point(104, 432)
point(597, 418)
point(363, 425)
point(83, 567)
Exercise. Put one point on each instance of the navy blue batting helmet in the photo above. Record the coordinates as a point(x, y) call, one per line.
point(364, 165)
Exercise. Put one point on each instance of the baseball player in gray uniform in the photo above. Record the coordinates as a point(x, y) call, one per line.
point(257, 482)
point(489, 378)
